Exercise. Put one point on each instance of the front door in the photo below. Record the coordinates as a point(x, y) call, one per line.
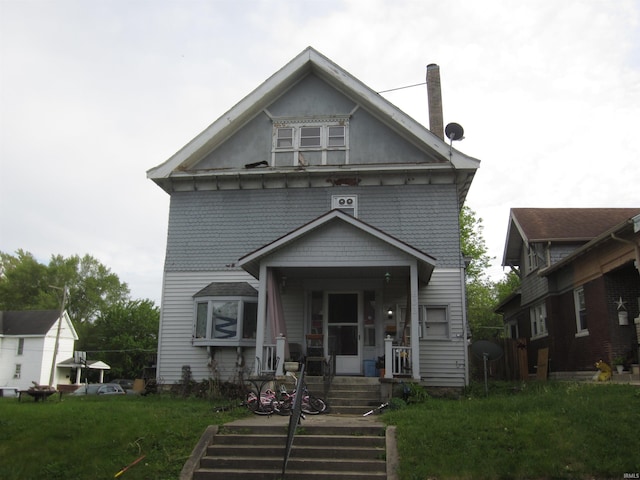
point(343, 327)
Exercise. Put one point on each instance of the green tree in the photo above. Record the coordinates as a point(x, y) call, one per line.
point(482, 293)
point(124, 335)
point(26, 284)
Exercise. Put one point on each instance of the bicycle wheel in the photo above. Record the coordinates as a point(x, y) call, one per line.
point(313, 405)
point(283, 407)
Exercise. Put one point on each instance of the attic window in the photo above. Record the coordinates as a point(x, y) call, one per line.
point(317, 141)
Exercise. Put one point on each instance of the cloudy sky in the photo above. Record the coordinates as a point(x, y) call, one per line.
point(93, 94)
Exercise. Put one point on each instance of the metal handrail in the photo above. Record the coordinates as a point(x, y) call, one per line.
point(328, 372)
point(294, 420)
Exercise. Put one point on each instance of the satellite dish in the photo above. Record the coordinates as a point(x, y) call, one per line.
point(486, 350)
point(454, 131)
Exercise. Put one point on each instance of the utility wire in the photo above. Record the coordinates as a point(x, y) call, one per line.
point(402, 88)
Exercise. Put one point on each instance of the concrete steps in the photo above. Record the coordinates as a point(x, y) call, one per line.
point(349, 395)
point(331, 450)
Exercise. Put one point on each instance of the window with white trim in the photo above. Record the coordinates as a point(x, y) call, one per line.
point(225, 321)
point(225, 314)
point(317, 141)
point(532, 257)
point(538, 314)
point(20, 346)
point(18, 371)
point(581, 312)
point(433, 321)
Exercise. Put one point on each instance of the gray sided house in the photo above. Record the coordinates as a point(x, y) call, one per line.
point(314, 211)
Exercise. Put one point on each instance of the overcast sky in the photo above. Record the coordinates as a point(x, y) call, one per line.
point(93, 94)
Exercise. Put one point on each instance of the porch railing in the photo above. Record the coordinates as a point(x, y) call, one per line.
point(270, 360)
point(397, 360)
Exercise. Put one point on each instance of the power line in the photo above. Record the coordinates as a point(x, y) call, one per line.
point(402, 88)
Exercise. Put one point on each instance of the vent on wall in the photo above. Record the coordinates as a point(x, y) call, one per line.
point(347, 203)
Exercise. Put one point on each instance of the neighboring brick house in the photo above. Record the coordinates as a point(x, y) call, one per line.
point(576, 266)
point(314, 206)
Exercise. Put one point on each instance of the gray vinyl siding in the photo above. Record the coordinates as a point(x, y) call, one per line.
point(176, 328)
point(442, 362)
point(211, 230)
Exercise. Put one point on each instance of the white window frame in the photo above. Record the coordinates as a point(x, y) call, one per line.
point(18, 371)
point(538, 317)
point(580, 306)
point(332, 129)
point(209, 337)
point(425, 322)
point(532, 257)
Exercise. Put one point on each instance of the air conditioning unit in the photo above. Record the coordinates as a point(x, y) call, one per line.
point(347, 203)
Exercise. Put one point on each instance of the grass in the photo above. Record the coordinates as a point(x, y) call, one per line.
point(95, 437)
point(551, 430)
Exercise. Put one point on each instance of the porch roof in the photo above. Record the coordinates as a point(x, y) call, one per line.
point(425, 262)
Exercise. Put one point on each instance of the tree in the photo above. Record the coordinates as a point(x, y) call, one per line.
point(124, 335)
point(482, 293)
point(25, 284)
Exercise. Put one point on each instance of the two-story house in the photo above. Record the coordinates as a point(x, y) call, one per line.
point(579, 269)
point(27, 346)
point(314, 210)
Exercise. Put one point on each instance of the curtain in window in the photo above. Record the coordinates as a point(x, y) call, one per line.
point(275, 312)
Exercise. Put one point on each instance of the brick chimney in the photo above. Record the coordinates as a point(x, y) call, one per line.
point(434, 94)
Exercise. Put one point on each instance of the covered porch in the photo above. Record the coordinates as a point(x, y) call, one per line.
point(351, 286)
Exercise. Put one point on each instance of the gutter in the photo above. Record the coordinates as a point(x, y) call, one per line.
point(636, 248)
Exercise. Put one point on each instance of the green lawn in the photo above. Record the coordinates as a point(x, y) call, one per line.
point(555, 430)
point(95, 437)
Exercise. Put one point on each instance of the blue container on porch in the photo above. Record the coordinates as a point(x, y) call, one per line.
point(370, 368)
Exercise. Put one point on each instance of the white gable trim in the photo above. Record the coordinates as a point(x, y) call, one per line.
point(306, 62)
point(251, 261)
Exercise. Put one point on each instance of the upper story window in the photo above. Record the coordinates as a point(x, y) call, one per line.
point(532, 257)
point(225, 314)
point(20, 346)
point(581, 312)
point(316, 141)
point(538, 314)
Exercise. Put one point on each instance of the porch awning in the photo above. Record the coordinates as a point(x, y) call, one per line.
point(92, 364)
point(360, 245)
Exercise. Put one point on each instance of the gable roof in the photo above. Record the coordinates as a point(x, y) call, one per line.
point(251, 261)
point(559, 225)
point(31, 322)
point(27, 322)
point(307, 62)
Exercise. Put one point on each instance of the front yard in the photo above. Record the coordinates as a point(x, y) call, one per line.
point(551, 430)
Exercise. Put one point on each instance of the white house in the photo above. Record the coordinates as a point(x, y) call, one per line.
point(27, 344)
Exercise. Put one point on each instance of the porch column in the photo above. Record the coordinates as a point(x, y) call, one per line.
point(262, 317)
point(280, 343)
point(415, 323)
point(388, 357)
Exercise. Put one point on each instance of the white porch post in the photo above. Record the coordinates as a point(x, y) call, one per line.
point(262, 317)
point(415, 323)
point(388, 357)
point(280, 341)
point(101, 376)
